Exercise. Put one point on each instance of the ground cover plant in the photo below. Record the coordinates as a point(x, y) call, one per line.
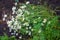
point(32, 22)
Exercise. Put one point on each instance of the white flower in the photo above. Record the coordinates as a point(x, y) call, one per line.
point(26, 24)
point(39, 17)
point(16, 34)
point(12, 19)
point(45, 20)
point(20, 37)
point(12, 33)
point(23, 19)
point(20, 11)
point(9, 22)
point(5, 15)
point(13, 12)
point(3, 19)
point(30, 27)
point(26, 27)
point(42, 24)
point(13, 8)
point(12, 27)
point(18, 16)
point(23, 7)
point(16, 3)
point(19, 27)
point(15, 23)
point(27, 2)
point(9, 25)
point(29, 33)
point(39, 31)
point(34, 21)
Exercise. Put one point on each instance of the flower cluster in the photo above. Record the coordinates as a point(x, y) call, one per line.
point(18, 20)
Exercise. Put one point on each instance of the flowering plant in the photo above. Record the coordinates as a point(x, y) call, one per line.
point(35, 21)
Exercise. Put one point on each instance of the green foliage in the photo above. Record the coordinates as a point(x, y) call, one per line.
point(5, 37)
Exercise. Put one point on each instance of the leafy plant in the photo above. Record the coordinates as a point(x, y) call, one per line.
point(36, 21)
